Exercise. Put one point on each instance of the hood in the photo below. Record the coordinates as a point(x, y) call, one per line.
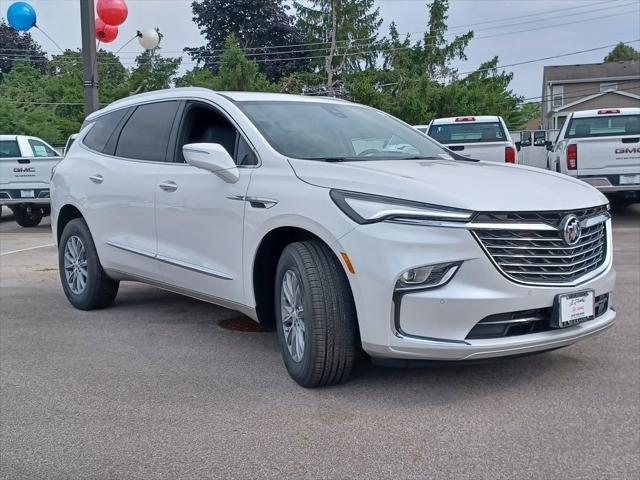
point(478, 186)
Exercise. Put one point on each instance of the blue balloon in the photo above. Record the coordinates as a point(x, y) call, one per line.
point(21, 16)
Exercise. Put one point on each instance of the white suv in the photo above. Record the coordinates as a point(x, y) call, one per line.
point(294, 210)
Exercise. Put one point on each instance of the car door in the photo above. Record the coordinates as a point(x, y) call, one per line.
point(199, 215)
point(121, 183)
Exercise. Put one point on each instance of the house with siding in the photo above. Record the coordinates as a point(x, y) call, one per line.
point(569, 88)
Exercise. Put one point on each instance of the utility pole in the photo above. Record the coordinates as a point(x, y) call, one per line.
point(90, 81)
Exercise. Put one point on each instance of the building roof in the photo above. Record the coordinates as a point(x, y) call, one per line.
point(591, 71)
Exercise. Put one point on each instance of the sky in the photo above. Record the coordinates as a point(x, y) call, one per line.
point(555, 27)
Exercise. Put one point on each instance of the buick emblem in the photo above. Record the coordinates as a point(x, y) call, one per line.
point(570, 228)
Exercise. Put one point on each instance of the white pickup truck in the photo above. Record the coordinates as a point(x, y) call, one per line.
point(602, 148)
point(479, 137)
point(25, 172)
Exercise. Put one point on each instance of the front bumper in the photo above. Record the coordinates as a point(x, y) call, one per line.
point(434, 324)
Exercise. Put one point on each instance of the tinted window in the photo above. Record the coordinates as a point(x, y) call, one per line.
point(145, 136)
point(320, 130)
point(468, 132)
point(244, 154)
point(9, 148)
point(41, 150)
point(102, 130)
point(604, 126)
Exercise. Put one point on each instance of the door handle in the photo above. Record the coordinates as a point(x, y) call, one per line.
point(96, 178)
point(169, 186)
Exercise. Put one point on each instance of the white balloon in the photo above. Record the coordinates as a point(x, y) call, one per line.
point(149, 38)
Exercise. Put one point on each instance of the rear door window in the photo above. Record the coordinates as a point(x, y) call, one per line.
point(604, 126)
point(100, 133)
point(146, 134)
point(467, 132)
point(9, 149)
point(40, 149)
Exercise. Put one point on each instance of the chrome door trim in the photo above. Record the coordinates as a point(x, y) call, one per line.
point(171, 261)
point(126, 248)
point(193, 268)
point(245, 309)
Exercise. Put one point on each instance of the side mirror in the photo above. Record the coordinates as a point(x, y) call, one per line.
point(213, 158)
point(549, 145)
point(518, 146)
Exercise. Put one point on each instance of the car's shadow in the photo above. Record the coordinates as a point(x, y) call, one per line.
point(431, 383)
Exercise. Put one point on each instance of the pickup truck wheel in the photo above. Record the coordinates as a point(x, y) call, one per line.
point(28, 216)
point(315, 315)
point(84, 282)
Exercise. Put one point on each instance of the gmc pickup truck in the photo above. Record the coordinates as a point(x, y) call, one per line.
point(26, 165)
point(602, 148)
point(479, 137)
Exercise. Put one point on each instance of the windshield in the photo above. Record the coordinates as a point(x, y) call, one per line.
point(326, 131)
point(467, 132)
point(604, 126)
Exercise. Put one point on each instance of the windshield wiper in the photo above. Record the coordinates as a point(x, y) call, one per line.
point(338, 159)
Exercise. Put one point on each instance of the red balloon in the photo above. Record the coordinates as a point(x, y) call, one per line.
point(105, 33)
point(112, 12)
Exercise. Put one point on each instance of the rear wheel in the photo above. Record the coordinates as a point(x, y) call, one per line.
point(29, 216)
point(84, 281)
point(315, 315)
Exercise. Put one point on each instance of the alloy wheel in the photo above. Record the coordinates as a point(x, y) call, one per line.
point(75, 265)
point(292, 313)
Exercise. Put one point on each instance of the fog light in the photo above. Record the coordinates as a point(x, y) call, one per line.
point(427, 276)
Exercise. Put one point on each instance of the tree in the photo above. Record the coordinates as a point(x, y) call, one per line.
point(345, 32)
point(621, 53)
point(434, 54)
point(259, 25)
point(235, 72)
point(19, 46)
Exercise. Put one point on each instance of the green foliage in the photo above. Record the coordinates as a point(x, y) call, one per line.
point(415, 82)
point(255, 23)
point(16, 46)
point(235, 72)
point(621, 53)
point(344, 30)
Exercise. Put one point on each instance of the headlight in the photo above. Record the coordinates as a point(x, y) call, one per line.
point(363, 208)
point(428, 276)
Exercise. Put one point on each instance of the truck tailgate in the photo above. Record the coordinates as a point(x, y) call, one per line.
point(31, 171)
point(608, 155)
point(488, 151)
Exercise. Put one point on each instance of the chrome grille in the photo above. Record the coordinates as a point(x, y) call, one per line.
point(542, 256)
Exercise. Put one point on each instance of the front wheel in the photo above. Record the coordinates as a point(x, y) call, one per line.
point(84, 282)
point(28, 217)
point(315, 315)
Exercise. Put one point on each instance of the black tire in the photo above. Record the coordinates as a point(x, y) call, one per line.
point(28, 217)
point(330, 321)
point(99, 290)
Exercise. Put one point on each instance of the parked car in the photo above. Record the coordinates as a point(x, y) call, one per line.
point(26, 164)
point(291, 210)
point(478, 137)
point(602, 147)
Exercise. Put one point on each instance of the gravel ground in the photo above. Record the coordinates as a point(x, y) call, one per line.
point(154, 388)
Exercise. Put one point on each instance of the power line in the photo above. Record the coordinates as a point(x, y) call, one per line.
point(269, 47)
point(358, 53)
point(397, 83)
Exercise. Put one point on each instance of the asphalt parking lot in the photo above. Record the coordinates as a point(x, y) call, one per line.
point(154, 388)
